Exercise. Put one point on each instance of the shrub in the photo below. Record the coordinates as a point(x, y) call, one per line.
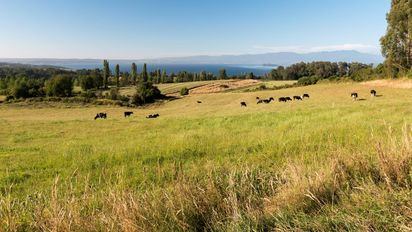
point(146, 92)
point(262, 87)
point(114, 94)
point(308, 80)
point(184, 91)
point(60, 86)
point(89, 94)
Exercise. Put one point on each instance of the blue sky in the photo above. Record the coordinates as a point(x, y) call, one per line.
point(134, 29)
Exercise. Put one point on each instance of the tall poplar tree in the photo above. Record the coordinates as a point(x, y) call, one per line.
point(117, 74)
point(106, 73)
point(145, 76)
point(134, 73)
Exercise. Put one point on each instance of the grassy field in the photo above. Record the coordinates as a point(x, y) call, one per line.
point(169, 88)
point(327, 163)
point(268, 84)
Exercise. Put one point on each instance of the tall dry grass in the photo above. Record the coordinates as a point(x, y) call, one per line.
point(334, 195)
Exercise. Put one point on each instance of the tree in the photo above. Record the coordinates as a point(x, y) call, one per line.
point(97, 77)
point(397, 43)
point(117, 75)
point(60, 86)
point(222, 74)
point(106, 73)
point(87, 82)
point(134, 73)
point(164, 77)
point(146, 92)
point(145, 76)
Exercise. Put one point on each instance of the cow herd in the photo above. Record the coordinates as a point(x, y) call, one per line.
point(354, 96)
point(126, 114)
point(281, 99)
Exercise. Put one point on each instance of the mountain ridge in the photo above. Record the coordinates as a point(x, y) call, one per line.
point(279, 58)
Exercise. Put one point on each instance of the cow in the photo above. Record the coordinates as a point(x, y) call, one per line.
point(354, 96)
point(297, 98)
point(373, 93)
point(282, 99)
point(288, 99)
point(100, 115)
point(199, 102)
point(259, 102)
point(128, 114)
point(305, 96)
point(267, 101)
point(243, 104)
point(152, 116)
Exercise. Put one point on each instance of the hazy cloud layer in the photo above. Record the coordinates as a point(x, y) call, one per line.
point(366, 48)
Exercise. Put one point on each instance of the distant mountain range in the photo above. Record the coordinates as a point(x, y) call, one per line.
point(281, 58)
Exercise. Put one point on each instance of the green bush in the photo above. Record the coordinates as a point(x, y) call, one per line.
point(60, 86)
point(184, 91)
point(89, 94)
point(146, 92)
point(308, 80)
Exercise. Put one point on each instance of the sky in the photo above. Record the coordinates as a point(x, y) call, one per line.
point(139, 29)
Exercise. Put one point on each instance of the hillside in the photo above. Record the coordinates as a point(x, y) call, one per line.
point(325, 163)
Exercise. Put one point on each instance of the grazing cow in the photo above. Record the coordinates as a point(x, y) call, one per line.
point(297, 98)
point(128, 114)
point(100, 115)
point(199, 102)
point(288, 99)
point(152, 116)
point(282, 99)
point(259, 101)
point(354, 96)
point(305, 95)
point(243, 104)
point(373, 93)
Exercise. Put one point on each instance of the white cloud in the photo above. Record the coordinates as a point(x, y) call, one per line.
point(301, 49)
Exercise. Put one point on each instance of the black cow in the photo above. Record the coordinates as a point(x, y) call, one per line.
point(243, 104)
point(152, 116)
point(282, 99)
point(128, 114)
point(100, 115)
point(259, 102)
point(354, 96)
point(305, 95)
point(373, 93)
point(199, 102)
point(288, 99)
point(297, 98)
point(267, 101)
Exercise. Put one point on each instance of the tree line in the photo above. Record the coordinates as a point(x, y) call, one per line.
point(310, 73)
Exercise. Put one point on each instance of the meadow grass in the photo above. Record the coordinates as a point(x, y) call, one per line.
point(327, 163)
point(267, 85)
point(169, 88)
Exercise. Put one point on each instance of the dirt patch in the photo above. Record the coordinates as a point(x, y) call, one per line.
point(223, 86)
point(397, 84)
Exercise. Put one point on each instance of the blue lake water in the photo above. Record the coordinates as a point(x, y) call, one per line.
point(169, 68)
